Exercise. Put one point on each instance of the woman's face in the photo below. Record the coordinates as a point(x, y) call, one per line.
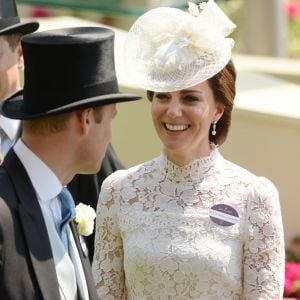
point(182, 120)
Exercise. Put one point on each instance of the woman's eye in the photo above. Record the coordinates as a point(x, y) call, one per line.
point(161, 96)
point(191, 98)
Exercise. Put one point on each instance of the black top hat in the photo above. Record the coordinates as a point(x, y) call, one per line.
point(10, 21)
point(66, 70)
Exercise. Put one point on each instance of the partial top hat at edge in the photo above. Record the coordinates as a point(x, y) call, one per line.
point(10, 21)
point(66, 70)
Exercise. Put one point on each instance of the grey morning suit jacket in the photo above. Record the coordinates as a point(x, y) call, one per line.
point(27, 269)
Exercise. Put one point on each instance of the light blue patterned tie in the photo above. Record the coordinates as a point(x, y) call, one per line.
point(67, 214)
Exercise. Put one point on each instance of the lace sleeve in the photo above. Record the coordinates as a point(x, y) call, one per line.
point(108, 257)
point(264, 244)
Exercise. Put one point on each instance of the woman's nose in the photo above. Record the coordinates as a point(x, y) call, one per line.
point(174, 109)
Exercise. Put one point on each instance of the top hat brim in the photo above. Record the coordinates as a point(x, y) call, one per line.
point(22, 27)
point(13, 107)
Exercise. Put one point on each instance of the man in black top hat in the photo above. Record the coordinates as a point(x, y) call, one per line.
point(67, 105)
point(11, 61)
point(84, 188)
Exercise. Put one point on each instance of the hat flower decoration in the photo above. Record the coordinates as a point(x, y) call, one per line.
point(168, 49)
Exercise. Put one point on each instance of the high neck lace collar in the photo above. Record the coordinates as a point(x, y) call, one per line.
point(195, 170)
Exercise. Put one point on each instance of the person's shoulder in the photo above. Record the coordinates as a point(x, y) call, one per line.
point(257, 184)
point(7, 190)
point(132, 172)
point(5, 180)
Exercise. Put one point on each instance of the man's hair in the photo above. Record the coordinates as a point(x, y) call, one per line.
point(13, 40)
point(56, 123)
point(98, 114)
point(48, 124)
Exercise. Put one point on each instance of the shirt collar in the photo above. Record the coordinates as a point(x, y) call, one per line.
point(44, 181)
point(9, 126)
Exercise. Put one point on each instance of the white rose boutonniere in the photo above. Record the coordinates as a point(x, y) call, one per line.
point(84, 219)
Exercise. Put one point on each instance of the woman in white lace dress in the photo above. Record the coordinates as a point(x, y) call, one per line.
point(188, 224)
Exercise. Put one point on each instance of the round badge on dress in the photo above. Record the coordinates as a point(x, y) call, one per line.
point(223, 215)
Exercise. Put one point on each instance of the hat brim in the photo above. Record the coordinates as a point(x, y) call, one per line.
point(13, 106)
point(180, 49)
point(22, 27)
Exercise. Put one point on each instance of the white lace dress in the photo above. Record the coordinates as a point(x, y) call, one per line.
point(158, 235)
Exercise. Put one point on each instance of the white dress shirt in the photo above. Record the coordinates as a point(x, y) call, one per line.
point(10, 128)
point(46, 184)
point(47, 187)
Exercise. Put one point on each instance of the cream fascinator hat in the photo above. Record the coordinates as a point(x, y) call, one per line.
point(168, 49)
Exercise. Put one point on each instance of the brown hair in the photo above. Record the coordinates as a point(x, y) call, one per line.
point(223, 87)
point(98, 114)
point(13, 40)
point(48, 124)
point(56, 123)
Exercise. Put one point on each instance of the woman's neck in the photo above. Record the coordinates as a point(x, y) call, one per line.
point(182, 158)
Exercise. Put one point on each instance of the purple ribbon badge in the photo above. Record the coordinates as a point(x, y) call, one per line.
point(223, 215)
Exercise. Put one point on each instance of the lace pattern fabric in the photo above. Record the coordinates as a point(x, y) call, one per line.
point(156, 240)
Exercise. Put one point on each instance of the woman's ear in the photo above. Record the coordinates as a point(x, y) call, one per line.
point(220, 108)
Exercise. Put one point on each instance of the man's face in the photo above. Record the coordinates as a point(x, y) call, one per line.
point(10, 63)
point(99, 136)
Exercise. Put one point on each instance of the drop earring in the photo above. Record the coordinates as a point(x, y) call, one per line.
point(214, 126)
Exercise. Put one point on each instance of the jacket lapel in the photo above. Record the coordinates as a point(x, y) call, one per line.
point(34, 228)
point(86, 265)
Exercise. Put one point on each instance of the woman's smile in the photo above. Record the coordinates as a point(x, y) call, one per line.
point(176, 127)
point(183, 119)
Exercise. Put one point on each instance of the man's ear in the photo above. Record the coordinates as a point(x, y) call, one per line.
point(20, 57)
point(84, 117)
